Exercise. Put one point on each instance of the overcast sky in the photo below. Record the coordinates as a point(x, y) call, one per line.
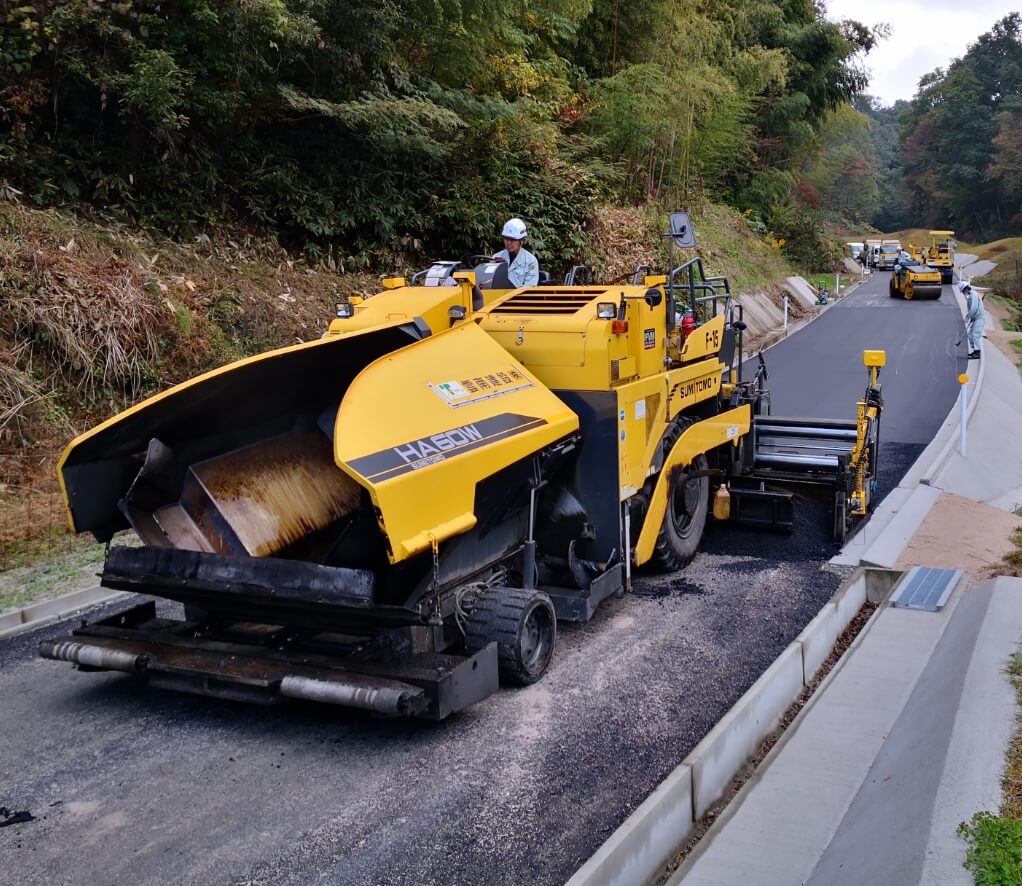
point(925, 34)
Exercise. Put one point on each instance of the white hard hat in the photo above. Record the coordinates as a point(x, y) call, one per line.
point(515, 229)
point(964, 285)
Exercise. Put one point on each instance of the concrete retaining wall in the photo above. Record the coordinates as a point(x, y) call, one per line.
point(761, 314)
point(801, 290)
point(638, 850)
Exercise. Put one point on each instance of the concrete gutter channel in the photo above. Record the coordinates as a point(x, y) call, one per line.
point(38, 614)
point(640, 849)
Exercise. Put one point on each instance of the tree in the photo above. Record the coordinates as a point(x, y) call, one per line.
point(956, 129)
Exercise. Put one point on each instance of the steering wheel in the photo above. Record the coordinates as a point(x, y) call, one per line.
point(482, 259)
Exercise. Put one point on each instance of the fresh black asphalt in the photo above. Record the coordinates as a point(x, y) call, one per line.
point(129, 785)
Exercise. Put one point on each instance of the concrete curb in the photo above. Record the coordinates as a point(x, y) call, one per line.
point(38, 614)
point(877, 592)
point(638, 850)
point(820, 634)
point(733, 741)
point(887, 547)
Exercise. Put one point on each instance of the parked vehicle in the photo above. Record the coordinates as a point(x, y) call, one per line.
point(887, 255)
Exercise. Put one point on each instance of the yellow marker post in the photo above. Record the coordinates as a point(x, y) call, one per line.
point(963, 380)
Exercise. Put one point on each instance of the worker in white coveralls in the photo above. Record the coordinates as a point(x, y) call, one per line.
point(522, 266)
point(975, 319)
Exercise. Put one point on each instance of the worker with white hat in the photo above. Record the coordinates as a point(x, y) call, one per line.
point(975, 319)
point(522, 265)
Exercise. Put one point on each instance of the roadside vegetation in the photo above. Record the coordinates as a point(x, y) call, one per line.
point(1006, 278)
point(36, 572)
point(353, 133)
point(994, 841)
point(951, 156)
point(1014, 559)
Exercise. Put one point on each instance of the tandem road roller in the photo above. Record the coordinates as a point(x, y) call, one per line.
point(913, 278)
point(394, 517)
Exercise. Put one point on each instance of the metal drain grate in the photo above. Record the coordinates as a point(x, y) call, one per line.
point(925, 588)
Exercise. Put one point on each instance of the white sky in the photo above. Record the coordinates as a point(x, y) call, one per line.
point(925, 34)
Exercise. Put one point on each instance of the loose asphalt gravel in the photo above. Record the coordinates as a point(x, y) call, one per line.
point(132, 785)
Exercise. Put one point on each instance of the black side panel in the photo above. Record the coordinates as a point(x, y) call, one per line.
point(727, 347)
point(597, 480)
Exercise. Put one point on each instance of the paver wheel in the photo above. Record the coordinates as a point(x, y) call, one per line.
point(688, 500)
point(523, 625)
point(891, 290)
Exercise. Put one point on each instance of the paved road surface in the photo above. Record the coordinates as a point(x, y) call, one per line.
point(820, 373)
point(130, 786)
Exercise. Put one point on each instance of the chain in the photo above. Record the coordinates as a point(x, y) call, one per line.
point(435, 545)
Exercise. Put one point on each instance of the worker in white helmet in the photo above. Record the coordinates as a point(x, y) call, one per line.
point(974, 317)
point(522, 266)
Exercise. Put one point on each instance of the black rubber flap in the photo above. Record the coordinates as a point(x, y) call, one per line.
point(181, 574)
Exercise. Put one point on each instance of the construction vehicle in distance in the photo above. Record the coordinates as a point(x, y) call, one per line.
point(912, 278)
point(394, 517)
point(887, 255)
point(941, 254)
point(869, 254)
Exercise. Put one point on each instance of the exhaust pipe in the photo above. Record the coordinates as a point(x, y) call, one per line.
point(98, 657)
point(395, 699)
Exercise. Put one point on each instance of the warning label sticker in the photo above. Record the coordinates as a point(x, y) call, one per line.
point(481, 387)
